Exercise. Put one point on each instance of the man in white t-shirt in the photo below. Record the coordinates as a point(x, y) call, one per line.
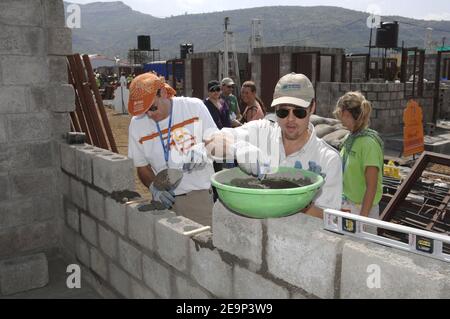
point(168, 132)
point(262, 146)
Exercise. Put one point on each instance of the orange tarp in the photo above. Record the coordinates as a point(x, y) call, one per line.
point(413, 142)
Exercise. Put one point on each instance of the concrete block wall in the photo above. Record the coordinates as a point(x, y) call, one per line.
point(35, 101)
point(388, 102)
point(138, 252)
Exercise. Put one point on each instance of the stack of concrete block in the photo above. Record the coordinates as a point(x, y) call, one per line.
point(35, 101)
point(23, 273)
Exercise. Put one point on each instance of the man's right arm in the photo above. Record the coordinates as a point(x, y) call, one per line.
point(146, 175)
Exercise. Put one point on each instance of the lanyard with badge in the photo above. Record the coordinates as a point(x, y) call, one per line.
point(166, 147)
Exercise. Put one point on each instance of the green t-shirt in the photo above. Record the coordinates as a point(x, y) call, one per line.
point(232, 102)
point(366, 151)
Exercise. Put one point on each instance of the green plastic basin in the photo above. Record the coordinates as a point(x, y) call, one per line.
point(266, 203)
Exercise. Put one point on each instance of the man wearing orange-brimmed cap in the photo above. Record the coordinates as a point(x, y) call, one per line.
point(168, 132)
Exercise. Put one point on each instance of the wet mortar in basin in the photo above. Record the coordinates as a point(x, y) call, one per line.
point(269, 183)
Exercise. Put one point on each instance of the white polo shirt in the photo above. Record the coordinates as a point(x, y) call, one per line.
point(267, 136)
point(191, 124)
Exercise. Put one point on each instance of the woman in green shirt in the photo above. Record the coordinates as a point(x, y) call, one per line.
point(362, 157)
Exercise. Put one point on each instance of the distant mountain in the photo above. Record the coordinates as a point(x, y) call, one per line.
point(111, 28)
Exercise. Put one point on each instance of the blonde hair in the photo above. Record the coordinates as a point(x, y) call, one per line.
point(358, 106)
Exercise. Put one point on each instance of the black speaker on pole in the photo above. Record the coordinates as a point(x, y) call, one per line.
point(144, 43)
point(387, 35)
point(185, 49)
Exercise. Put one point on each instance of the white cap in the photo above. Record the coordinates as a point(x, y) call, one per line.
point(227, 81)
point(294, 89)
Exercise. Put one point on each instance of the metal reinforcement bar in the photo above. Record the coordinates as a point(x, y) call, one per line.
point(79, 114)
point(89, 116)
point(78, 81)
point(100, 106)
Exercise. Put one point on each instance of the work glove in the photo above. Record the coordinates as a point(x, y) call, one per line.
point(196, 158)
point(167, 198)
point(312, 166)
point(251, 160)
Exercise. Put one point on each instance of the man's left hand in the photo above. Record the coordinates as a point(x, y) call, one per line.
point(196, 158)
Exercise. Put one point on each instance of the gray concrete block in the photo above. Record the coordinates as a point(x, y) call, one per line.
point(78, 193)
point(99, 263)
point(29, 127)
point(384, 96)
point(36, 99)
point(5, 158)
point(64, 183)
point(23, 70)
point(82, 251)
point(20, 12)
point(57, 69)
point(249, 285)
point(61, 125)
point(141, 225)
point(186, 289)
point(237, 235)
point(3, 130)
point(97, 284)
point(22, 41)
point(379, 87)
point(59, 41)
point(38, 235)
point(344, 87)
point(130, 258)
point(113, 172)
point(27, 211)
point(139, 291)
point(115, 215)
point(23, 273)
point(210, 271)
point(68, 158)
point(371, 96)
point(61, 98)
point(120, 280)
point(12, 99)
point(38, 182)
point(69, 241)
point(300, 252)
point(95, 203)
point(157, 277)
point(32, 155)
point(108, 242)
point(171, 244)
point(89, 229)
point(5, 192)
point(54, 13)
point(83, 162)
point(374, 271)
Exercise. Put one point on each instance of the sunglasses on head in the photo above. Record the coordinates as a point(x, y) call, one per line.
point(215, 89)
point(298, 112)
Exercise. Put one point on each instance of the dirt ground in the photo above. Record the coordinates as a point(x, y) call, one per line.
point(119, 126)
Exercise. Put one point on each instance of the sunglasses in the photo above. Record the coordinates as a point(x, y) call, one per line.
point(299, 113)
point(216, 89)
point(154, 107)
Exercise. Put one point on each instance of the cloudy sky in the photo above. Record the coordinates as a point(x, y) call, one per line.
point(418, 9)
